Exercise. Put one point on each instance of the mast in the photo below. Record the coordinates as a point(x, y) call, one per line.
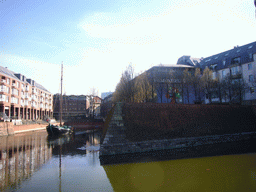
point(61, 79)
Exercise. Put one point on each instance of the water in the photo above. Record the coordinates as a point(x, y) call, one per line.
point(33, 162)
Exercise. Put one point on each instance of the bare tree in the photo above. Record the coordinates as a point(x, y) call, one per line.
point(187, 82)
point(208, 83)
point(196, 82)
point(125, 89)
point(143, 88)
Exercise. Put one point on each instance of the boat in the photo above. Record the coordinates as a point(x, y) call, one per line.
point(55, 130)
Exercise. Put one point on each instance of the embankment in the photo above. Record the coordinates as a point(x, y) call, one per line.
point(166, 131)
point(7, 128)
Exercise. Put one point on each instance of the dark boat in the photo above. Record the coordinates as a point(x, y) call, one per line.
point(55, 130)
point(58, 130)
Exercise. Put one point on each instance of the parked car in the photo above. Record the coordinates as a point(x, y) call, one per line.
point(4, 117)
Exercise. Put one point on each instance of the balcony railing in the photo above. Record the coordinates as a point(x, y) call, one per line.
point(2, 89)
point(3, 81)
point(2, 99)
point(237, 75)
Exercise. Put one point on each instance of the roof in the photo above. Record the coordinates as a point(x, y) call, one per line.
point(172, 66)
point(188, 60)
point(13, 75)
point(245, 53)
point(8, 72)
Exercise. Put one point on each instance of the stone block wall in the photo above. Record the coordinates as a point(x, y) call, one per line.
point(6, 128)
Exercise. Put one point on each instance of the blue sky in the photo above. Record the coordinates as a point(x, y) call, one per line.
point(96, 40)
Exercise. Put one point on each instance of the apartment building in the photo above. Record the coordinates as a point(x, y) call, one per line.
point(238, 64)
point(22, 98)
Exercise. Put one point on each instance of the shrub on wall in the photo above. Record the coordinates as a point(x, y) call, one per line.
point(157, 121)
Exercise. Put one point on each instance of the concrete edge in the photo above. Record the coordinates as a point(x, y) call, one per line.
point(35, 129)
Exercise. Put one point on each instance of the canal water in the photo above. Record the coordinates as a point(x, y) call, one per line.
point(34, 162)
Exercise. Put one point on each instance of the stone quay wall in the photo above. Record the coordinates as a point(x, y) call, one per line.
point(118, 147)
point(7, 128)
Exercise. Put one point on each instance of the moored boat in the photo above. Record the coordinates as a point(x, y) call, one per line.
point(58, 130)
point(55, 130)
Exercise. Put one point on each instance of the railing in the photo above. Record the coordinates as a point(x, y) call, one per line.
point(236, 75)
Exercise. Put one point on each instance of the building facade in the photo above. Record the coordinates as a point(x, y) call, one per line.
point(237, 65)
point(106, 105)
point(22, 98)
point(73, 106)
point(96, 105)
point(167, 83)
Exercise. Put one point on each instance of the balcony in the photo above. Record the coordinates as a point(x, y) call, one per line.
point(34, 92)
point(2, 89)
point(3, 81)
point(2, 99)
point(34, 98)
point(237, 75)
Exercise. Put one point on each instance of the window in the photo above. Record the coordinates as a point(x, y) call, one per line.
point(223, 74)
point(236, 60)
point(214, 75)
point(2, 88)
point(8, 81)
point(213, 67)
point(251, 78)
point(249, 66)
point(2, 97)
point(224, 62)
point(234, 70)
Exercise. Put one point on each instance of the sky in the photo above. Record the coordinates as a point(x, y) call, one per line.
point(97, 40)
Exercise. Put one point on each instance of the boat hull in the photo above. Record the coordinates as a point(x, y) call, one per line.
point(58, 130)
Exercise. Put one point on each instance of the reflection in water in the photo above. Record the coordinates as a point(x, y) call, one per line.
point(21, 155)
point(74, 166)
point(71, 163)
point(221, 173)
